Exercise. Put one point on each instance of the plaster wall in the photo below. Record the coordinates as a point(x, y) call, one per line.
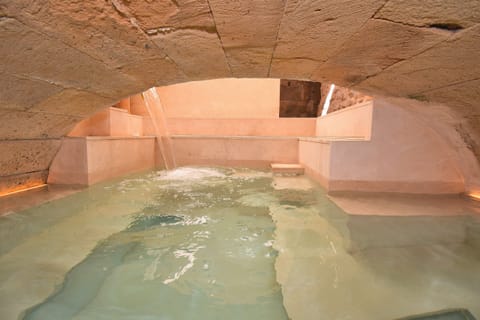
point(243, 127)
point(110, 122)
point(257, 152)
point(88, 160)
point(111, 157)
point(401, 156)
point(355, 121)
point(314, 155)
point(222, 98)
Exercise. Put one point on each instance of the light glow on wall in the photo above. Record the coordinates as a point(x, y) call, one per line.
point(326, 105)
point(21, 189)
point(474, 195)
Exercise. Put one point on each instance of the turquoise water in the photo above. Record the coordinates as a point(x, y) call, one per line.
point(193, 252)
point(219, 243)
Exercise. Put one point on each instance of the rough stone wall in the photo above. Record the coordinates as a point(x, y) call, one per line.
point(63, 60)
point(341, 98)
point(299, 99)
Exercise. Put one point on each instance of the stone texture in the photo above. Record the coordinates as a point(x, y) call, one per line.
point(99, 28)
point(299, 99)
point(24, 156)
point(431, 12)
point(314, 29)
point(56, 62)
point(180, 14)
point(300, 69)
point(450, 62)
point(72, 102)
point(378, 45)
point(341, 98)
point(23, 180)
point(248, 30)
point(20, 93)
point(199, 54)
point(32, 125)
point(250, 63)
point(170, 71)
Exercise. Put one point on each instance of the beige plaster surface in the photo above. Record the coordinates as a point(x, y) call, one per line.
point(88, 160)
point(396, 158)
point(355, 121)
point(302, 127)
point(222, 98)
point(110, 122)
point(402, 155)
point(257, 152)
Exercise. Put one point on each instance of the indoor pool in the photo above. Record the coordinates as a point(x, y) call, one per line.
point(221, 243)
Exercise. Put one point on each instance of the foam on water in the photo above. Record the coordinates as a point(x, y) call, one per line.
point(215, 243)
point(189, 174)
point(192, 252)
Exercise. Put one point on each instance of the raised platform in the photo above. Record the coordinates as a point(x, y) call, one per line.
point(88, 160)
point(110, 122)
point(284, 168)
point(236, 151)
point(369, 148)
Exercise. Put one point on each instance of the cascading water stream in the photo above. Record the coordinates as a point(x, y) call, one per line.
point(157, 114)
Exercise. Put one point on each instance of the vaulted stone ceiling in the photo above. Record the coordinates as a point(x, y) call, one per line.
point(62, 60)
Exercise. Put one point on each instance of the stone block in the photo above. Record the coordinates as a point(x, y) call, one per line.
point(317, 29)
point(104, 30)
point(73, 102)
point(431, 12)
point(182, 14)
point(22, 181)
point(199, 54)
point(378, 45)
point(18, 93)
point(452, 61)
point(142, 70)
point(22, 156)
point(293, 68)
point(55, 62)
point(32, 125)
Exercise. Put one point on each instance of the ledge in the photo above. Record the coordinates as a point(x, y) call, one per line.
point(111, 137)
point(331, 139)
point(234, 137)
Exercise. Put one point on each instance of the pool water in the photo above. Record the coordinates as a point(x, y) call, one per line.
point(220, 243)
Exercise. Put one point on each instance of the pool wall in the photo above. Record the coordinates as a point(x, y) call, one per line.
point(377, 146)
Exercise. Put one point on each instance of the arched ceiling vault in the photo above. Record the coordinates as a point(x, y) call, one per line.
point(62, 60)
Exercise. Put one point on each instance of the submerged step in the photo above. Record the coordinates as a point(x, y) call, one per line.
point(453, 314)
point(285, 168)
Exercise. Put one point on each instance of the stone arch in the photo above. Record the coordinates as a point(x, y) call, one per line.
point(61, 61)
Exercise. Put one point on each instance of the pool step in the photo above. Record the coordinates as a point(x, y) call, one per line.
point(286, 168)
point(452, 314)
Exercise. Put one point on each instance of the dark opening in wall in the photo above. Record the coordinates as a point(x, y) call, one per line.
point(299, 99)
point(447, 26)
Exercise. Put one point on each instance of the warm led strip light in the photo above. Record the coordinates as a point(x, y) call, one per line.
point(22, 190)
point(474, 195)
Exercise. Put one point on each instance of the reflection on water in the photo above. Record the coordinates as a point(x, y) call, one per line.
point(193, 252)
point(337, 266)
point(200, 243)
